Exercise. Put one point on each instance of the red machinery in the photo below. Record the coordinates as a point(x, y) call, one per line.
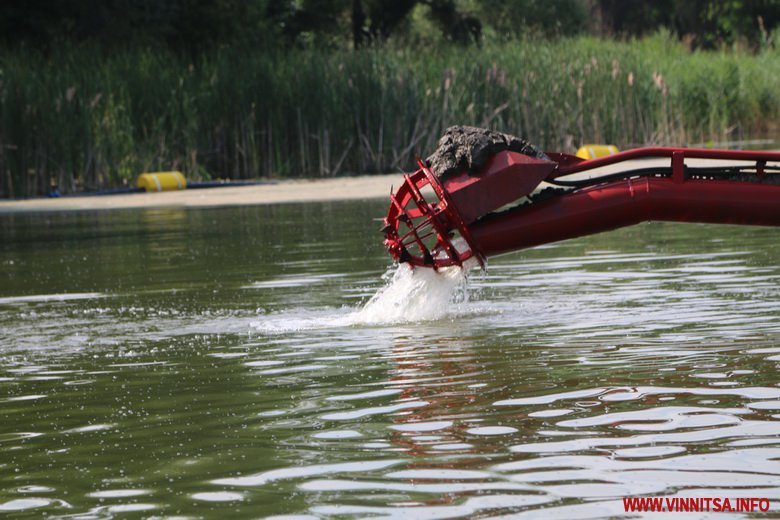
point(434, 222)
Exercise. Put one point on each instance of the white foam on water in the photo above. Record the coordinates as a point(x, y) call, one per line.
point(44, 298)
point(409, 295)
point(416, 295)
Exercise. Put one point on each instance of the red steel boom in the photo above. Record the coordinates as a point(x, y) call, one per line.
point(436, 223)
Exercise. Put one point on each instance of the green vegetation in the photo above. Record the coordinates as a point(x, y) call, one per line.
point(195, 25)
point(92, 92)
point(88, 123)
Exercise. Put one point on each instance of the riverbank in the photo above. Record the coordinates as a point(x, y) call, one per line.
point(286, 191)
point(78, 118)
point(342, 188)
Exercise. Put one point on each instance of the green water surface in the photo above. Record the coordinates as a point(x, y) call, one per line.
point(199, 363)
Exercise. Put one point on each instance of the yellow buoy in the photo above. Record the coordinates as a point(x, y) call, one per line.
point(592, 151)
point(161, 181)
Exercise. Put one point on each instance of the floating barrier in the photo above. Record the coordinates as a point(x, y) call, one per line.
point(594, 151)
point(161, 181)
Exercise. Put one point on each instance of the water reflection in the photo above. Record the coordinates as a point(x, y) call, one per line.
point(640, 362)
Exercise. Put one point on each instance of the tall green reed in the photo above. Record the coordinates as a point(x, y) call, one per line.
point(82, 120)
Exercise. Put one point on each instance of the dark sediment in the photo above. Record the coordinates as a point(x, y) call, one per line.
point(467, 149)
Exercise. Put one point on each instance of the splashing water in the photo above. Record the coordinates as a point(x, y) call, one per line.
point(416, 295)
point(409, 295)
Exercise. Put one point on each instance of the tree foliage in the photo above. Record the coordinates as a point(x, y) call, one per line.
point(192, 25)
point(519, 17)
point(704, 23)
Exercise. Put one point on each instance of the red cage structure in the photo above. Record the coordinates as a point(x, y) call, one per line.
point(437, 222)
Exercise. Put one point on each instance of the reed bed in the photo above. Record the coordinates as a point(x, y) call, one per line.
point(83, 120)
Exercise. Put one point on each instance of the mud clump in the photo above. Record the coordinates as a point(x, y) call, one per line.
point(468, 149)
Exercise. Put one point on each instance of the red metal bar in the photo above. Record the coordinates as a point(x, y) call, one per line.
point(644, 153)
point(623, 203)
point(453, 218)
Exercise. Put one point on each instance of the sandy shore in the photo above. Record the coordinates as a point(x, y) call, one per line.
point(342, 188)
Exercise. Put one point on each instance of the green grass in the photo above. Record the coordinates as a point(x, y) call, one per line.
point(90, 121)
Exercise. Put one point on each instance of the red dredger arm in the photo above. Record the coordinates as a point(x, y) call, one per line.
point(426, 233)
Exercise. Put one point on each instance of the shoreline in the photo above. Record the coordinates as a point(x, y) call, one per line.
point(282, 192)
point(285, 191)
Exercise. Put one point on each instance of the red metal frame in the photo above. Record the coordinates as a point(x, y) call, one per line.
point(568, 164)
point(411, 220)
point(581, 211)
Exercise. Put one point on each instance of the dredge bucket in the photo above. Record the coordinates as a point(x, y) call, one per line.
point(449, 211)
point(429, 217)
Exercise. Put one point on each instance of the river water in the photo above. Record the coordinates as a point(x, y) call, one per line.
point(233, 362)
